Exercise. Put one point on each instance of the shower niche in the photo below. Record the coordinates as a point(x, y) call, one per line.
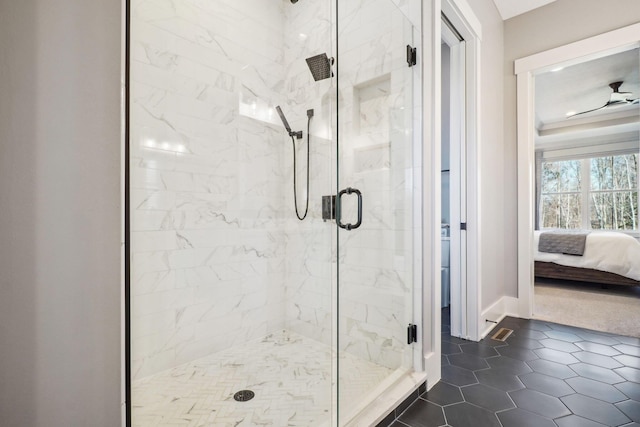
point(231, 293)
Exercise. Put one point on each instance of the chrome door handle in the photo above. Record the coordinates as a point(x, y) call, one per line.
point(348, 226)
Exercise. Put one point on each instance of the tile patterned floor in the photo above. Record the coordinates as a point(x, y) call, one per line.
point(545, 374)
point(290, 374)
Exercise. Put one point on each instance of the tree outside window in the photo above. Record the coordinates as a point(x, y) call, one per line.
point(606, 200)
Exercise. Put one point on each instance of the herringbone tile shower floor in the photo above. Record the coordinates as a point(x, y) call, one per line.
point(290, 375)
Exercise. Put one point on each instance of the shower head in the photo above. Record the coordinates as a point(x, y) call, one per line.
point(286, 124)
point(294, 1)
point(320, 66)
point(284, 119)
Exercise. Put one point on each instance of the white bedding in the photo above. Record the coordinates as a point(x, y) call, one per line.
point(604, 250)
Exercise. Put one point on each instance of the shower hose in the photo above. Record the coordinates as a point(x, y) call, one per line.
point(295, 190)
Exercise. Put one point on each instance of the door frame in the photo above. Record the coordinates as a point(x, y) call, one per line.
point(525, 69)
point(461, 15)
point(457, 182)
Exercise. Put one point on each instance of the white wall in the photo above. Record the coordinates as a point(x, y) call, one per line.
point(553, 25)
point(60, 212)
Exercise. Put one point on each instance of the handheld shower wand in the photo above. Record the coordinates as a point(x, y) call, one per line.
point(297, 134)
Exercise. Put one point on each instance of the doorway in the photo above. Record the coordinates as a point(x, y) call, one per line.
point(453, 187)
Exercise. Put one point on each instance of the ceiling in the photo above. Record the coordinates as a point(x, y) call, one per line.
point(583, 87)
point(510, 8)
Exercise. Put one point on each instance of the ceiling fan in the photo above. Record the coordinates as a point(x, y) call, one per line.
point(616, 99)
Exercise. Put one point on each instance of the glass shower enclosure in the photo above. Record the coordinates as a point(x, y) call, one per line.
point(274, 209)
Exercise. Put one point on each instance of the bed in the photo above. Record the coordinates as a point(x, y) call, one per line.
point(609, 258)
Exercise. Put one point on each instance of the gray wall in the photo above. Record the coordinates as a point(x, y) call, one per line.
point(495, 263)
point(60, 213)
point(554, 25)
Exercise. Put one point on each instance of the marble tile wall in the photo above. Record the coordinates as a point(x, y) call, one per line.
point(310, 243)
point(207, 173)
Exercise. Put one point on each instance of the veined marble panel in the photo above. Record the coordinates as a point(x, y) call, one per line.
point(207, 183)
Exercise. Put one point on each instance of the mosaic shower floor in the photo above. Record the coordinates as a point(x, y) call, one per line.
point(290, 375)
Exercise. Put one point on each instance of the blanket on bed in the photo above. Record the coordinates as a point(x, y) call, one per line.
point(563, 242)
point(605, 251)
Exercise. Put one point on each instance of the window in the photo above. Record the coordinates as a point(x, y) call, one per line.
point(599, 193)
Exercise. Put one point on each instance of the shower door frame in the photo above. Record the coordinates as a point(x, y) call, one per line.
point(416, 373)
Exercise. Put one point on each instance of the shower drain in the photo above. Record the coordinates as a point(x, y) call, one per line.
point(244, 395)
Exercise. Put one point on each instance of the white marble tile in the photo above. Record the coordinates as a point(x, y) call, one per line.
point(290, 387)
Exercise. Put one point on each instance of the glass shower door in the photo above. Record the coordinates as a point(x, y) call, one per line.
point(375, 200)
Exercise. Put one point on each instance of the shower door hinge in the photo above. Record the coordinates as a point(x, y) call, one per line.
point(412, 333)
point(412, 55)
point(463, 226)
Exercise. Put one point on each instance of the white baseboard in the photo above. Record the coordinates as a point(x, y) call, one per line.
point(505, 306)
point(432, 365)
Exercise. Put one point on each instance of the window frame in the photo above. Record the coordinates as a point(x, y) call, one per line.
point(586, 191)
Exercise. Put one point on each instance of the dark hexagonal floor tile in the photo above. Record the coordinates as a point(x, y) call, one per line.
point(551, 369)
point(444, 360)
point(563, 336)
point(489, 342)
point(630, 389)
point(597, 338)
point(500, 379)
point(479, 350)
point(576, 421)
point(596, 389)
point(520, 418)
point(536, 325)
point(450, 348)
point(528, 334)
point(443, 394)
point(510, 324)
point(595, 410)
point(630, 374)
point(605, 350)
point(454, 340)
point(597, 359)
point(631, 350)
point(487, 397)
point(458, 376)
point(631, 409)
point(559, 345)
point(423, 414)
point(555, 356)
point(629, 340)
point(539, 403)
point(507, 364)
point(545, 384)
point(524, 342)
point(517, 353)
point(597, 373)
point(630, 361)
point(468, 361)
point(465, 414)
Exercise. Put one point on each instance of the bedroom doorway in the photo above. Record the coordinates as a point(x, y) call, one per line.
point(578, 170)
